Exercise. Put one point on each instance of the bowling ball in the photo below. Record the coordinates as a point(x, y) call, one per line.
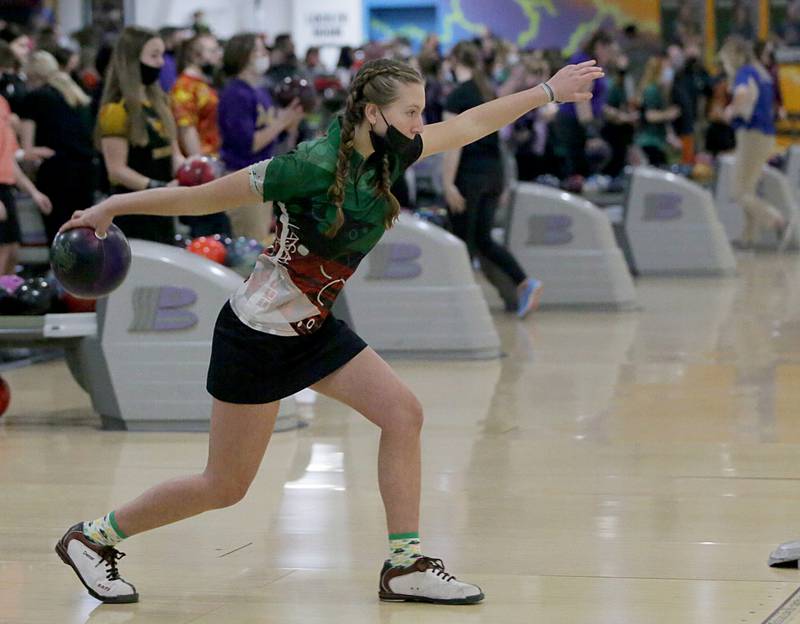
point(5, 396)
point(702, 173)
point(573, 184)
point(35, 296)
point(290, 88)
point(196, 171)
point(245, 252)
point(11, 282)
point(181, 241)
point(548, 179)
point(88, 266)
point(208, 248)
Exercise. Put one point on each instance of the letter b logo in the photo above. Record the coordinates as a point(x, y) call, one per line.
point(549, 230)
point(160, 308)
point(394, 261)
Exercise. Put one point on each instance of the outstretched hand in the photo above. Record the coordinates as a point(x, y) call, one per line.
point(573, 83)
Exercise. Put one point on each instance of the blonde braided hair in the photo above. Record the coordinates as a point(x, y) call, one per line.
point(376, 82)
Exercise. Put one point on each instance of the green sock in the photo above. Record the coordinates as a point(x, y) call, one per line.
point(104, 531)
point(404, 548)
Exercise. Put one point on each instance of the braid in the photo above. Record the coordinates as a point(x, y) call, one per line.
point(381, 92)
point(384, 187)
point(337, 189)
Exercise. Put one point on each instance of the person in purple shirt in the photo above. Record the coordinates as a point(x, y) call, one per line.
point(249, 124)
point(575, 123)
point(172, 37)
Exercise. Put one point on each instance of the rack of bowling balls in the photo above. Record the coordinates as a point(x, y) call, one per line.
point(83, 267)
point(239, 254)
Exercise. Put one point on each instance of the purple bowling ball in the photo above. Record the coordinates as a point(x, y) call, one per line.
point(11, 282)
point(88, 266)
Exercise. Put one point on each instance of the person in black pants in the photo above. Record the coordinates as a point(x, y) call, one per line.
point(55, 114)
point(473, 179)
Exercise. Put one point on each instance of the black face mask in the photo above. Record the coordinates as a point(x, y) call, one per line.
point(207, 69)
point(149, 73)
point(395, 142)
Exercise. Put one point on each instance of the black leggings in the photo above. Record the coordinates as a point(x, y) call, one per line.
point(481, 193)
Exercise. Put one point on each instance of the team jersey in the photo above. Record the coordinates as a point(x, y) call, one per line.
point(296, 279)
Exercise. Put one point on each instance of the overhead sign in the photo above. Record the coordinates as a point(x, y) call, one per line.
point(327, 23)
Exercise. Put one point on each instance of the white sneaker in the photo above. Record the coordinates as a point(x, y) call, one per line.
point(425, 580)
point(96, 566)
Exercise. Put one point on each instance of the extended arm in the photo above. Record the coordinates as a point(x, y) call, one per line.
point(228, 192)
point(571, 84)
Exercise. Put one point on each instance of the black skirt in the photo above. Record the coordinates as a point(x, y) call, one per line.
point(250, 367)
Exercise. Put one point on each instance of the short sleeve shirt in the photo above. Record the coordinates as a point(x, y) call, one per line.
point(763, 118)
point(154, 159)
point(483, 154)
point(64, 128)
point(194, 104)
point(297, 279)
point(243, 111)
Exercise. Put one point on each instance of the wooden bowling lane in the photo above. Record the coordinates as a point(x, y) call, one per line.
point(612, 468)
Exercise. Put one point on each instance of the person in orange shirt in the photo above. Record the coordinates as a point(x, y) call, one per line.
point(12, 175)
point(194, 104)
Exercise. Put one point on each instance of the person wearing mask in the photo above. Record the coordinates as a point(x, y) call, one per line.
point(194, 105)
point(135, 128)
point(473, 179)
point(752, 115)
point(656, 112)
point(277, 335)
point(577, 123)
point(55, 114)
point(250, 125)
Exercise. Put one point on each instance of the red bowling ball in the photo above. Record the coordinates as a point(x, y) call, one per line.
point(208, 248)
point(196, 171)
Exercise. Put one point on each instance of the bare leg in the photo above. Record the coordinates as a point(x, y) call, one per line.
point(238, 438)
point(371, 387)
point(8, 258)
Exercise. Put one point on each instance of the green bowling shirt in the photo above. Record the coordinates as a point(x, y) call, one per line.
point(297, 279)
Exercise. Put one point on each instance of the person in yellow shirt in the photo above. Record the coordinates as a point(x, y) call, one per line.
point(135, 129)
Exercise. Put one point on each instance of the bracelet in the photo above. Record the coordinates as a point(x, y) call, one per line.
point(549, 91)
point(151, 184)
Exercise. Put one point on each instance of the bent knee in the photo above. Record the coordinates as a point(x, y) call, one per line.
point(226, 492)
point(407, 415)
